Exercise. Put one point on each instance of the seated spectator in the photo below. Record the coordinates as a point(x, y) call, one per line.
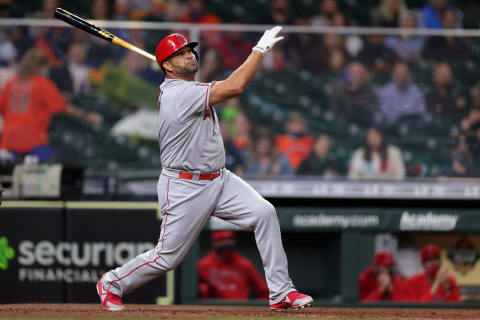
point(225, 274)
point(379, 282)
point(328, 9)
point(72, 75)
point(376, 159)
point(197, 13)
point(242, 130)
point(233, 48)
point(47, 10)
point(320, 162)
point(462, 165)
point(264, 160)
point(407, 47)
point(443, 98)
point(234, 159)
point(295, 144)
point(401, 97)
point(470, 127)
point(279, 13)
point(212, 66)
point(376, 56)
point(446, 48)
point(27, 103)
point(332, 43)
point(435, 284)
point(355, 96)
point(388, 13)
point(431, 15)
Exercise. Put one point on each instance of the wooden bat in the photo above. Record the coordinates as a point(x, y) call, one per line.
point(78, 22)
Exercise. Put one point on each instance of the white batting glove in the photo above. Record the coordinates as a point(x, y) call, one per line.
point(268, 40)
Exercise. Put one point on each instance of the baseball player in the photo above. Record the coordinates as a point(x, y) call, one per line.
point(194, 183)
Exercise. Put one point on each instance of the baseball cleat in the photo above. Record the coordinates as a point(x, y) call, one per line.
point(110, 301)
point(293, 300)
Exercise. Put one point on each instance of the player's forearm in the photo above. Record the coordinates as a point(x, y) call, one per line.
point(243, 75)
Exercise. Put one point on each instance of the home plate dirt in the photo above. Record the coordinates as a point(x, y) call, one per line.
point(225, 312)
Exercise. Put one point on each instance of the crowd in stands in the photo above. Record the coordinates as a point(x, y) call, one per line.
point(374, 83)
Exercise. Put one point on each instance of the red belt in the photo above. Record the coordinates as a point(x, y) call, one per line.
point(202, 176)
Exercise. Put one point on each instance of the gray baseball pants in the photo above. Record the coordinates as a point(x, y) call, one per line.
point(186, 206)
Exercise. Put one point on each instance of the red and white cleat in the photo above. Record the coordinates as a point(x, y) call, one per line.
point(110, 301)
point(293, 300)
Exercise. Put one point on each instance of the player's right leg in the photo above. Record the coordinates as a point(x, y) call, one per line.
point(240, 204)
point(186, 206)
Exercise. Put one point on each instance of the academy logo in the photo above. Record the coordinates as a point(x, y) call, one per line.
point(6, 253)
point(428, 221)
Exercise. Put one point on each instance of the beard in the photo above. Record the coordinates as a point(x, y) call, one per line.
point(187, 69)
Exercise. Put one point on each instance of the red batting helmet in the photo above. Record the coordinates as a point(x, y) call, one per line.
point(171, 44)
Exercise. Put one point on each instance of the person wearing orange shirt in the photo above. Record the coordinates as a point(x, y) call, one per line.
point(27, 103)
point(378, 282)
point(295, 144)
point(225, 274)
point(434, 285)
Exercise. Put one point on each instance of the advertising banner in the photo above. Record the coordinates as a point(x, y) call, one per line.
point(25, 253)
point(57, 251)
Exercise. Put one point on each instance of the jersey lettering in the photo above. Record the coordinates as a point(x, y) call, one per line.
point(20, 98)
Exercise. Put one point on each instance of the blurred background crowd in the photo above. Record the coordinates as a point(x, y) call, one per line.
point(331, 104)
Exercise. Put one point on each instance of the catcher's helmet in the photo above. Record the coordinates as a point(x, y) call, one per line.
point(171, 44)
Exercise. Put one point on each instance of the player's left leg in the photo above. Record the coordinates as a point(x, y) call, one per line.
point(240, 204)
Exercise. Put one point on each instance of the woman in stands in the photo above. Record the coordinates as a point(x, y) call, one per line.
point(377, 159)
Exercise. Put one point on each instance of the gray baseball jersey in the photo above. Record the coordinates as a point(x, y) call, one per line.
point(189, 135)
point(190, 140)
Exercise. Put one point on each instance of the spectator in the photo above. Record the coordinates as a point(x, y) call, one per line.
point(355, 96)
point(212, 66)
point(353, 43)
point(434, 285)
point(242, 129)
point(462, 165)
point(431, 15)
point(388, 13)
point(9, 10)
point(295, 144)
point(27, 103)
point(303, 48)
point(47, 11)
point(225, 274)
point(72, 75)
point(443, 98)
point(379, 282)
point(407, 46)
point(376, 55)
point(401, 97)
point(320, 162)
point(332, 43)
point(101, 10)
point(279, 13)
point(328, 9)
point(470, 126)
point(197, 13)
point(234, 159)
point(234, 48)
point(446, 48)
point(376, 159)
point(265, 160)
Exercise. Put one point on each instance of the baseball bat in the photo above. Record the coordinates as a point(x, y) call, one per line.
point(80, 23)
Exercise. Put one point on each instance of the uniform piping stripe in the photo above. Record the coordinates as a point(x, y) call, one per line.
point(166, 217)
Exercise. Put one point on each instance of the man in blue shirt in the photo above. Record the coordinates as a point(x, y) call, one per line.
point(401, 97)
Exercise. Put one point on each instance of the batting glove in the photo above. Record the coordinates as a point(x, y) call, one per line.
point(268, 40)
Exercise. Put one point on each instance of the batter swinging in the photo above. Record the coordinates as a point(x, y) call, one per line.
point(194, 183)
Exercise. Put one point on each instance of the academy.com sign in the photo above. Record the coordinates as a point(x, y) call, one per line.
point(428, 221)
point(71, 261)
point(336, 221)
